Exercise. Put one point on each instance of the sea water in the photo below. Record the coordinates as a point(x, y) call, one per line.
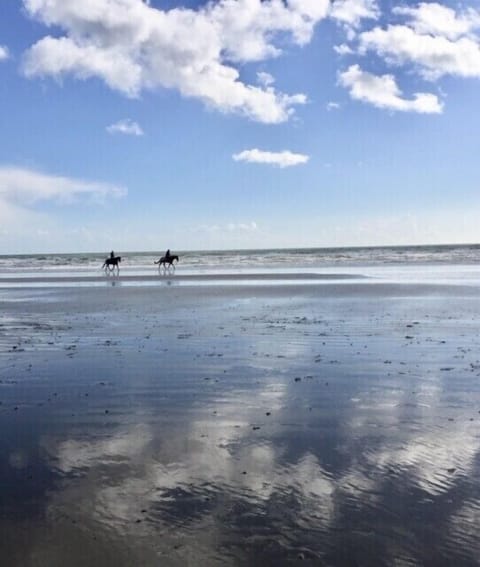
point(446, 263)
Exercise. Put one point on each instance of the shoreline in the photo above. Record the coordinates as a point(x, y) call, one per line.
point(181, 277)
point(231, 287)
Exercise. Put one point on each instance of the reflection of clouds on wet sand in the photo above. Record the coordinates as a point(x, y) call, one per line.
point(273, 438)
point(464, 527)
point(121, 447)
point(162, 484)
point(433, 460)
point(141, 480)
point(424, 443)
point(213, 472)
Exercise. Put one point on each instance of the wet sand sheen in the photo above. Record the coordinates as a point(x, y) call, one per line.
point(172, 276)
point(269, 425)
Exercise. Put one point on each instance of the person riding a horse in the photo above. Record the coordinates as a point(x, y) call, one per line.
point(167, 261)
point(112, 263)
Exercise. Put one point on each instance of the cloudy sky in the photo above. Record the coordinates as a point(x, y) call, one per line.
point(141, 125)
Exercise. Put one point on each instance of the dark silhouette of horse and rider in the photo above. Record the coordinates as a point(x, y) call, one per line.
point(167, 262)
point(112, 263)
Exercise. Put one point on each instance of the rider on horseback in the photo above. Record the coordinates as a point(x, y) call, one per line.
point(167, 261)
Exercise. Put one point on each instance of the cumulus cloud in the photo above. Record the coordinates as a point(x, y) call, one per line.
point(126, 126)
point(436, 19)
point(383, 92)
point(343, 49)
point(4, 53)
point(133, 46)
point(436, 40)
point(352, 12)
point(280, 159)
point(265, 79)
point(27, 187)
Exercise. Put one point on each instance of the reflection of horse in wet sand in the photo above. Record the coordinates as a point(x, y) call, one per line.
point(167, 262)
point(111, 264)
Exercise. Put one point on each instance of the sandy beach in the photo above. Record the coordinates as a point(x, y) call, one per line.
point(239, 283)
point(210, 422)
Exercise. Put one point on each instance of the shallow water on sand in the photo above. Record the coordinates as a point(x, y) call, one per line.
point(239, 426)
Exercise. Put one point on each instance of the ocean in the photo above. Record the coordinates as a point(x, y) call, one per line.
point(405, 263)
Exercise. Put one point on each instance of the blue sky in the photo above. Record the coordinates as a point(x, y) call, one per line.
point(237, 124)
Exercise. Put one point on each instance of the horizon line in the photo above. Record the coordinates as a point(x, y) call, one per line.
point(269, 249)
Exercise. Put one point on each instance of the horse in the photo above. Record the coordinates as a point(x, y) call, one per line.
point(167, 262)
point(111, 263)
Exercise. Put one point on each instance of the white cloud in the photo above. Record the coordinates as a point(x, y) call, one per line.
point(242, 226)
point(265, 79)
point(126, 126)
point(352, 12)
point(246, 28)
point(343, 49)
point(132, 46)
point(4, 53)
point(26, 187)
point(332, 106)
point(229, 227)
point(383, 92)
point(26, 226)
point(436, 19)
point(434, 55)
point(280, 159)
point(435, 39)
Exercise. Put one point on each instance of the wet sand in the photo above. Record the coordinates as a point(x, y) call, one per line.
point(227, 425)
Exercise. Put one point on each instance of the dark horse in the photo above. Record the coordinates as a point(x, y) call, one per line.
point(167, 262)
point(112, 263)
